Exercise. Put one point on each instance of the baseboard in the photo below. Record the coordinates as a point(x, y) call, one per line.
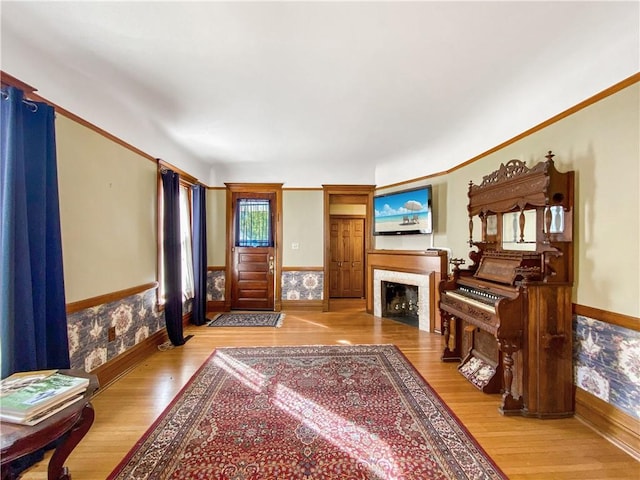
point(307, 305)
point(215, 306)
point(109, 372)
point(619, 428)
point(186, 319)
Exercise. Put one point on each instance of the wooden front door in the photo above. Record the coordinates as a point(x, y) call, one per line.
point(253, 251)
point(346, 251)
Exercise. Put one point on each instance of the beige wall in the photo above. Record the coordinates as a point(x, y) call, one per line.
point(216, 226)
point(302, 213)
point(108, 207)
point(302, 224)
point(107, 211)
point(602, 144)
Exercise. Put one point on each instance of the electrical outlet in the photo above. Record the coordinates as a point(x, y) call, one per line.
point(111, 334)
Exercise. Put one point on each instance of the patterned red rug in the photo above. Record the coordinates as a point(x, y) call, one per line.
point(312, 412)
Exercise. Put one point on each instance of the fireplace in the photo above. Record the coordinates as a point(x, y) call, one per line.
point(421, 270)
point(400, 302)
point(419, 291)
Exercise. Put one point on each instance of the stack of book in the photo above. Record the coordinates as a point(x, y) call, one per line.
point(27, 398)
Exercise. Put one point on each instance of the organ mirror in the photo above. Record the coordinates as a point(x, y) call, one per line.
point(529, 222)
point(528, 210)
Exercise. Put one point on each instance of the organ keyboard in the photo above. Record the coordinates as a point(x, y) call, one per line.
point(476, 297)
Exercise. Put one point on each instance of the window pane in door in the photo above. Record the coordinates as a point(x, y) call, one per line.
point(253, 223)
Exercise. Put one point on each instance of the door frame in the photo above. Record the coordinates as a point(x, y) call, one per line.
point(345, 194)
point(275, 188)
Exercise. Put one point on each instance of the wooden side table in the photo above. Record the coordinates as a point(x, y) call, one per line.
point(69, 426)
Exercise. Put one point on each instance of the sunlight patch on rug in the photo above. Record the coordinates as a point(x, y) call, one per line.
point(310, 412)
point(247, 319)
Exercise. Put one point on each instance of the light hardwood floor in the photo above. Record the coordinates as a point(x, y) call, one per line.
point(523, 448)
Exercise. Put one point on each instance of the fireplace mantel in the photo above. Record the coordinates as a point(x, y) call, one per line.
point(433, 263)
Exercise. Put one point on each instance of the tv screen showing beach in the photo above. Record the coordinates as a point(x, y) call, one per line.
point(405, 212)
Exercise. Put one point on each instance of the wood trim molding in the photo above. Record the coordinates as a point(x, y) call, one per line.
point(31, 95)
point(109, 297)
point(626, 321)
point(11, 81)
point(363, 194)
point(302, 269)
point(306, 305)
point(616, 426)
point(627, 82)
point(270, 188)
point(216, 306)
point(115, 368)
point(184, 176)
point(216, 268)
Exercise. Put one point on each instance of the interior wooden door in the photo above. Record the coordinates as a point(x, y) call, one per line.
point(346, 257)
point(253, 251)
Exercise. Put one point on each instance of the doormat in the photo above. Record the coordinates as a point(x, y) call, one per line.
point(309, 412)
point(247, 319)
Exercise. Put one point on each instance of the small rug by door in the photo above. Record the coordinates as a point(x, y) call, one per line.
point(311, 412)
point(247, 319)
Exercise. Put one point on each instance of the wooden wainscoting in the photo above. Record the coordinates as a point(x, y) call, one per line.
point(524, 448)
point(612, 423)
point(111, 371)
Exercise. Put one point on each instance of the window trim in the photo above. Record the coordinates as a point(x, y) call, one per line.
point(186, 181)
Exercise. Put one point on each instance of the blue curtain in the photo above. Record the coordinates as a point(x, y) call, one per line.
point(199, 248)
point(33, 320)
point(172, 259)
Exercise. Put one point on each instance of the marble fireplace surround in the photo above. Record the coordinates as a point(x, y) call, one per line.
point(423, 269)
point(421, 281)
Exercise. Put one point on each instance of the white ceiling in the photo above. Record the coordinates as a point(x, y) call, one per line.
point(308, 93)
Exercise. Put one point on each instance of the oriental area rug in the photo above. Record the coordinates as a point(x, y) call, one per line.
point(247, 319)
point(310, 412)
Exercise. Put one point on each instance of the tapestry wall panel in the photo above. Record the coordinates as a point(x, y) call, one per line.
point(135, 318)
point(302, 285)
point(215, 285)
point(607, 363)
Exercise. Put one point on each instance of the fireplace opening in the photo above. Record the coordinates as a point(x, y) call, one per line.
point(400, 302)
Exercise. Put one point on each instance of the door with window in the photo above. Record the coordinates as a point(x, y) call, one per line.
point(253, 256)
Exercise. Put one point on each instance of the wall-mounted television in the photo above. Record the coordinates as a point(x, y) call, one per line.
point(407, 212)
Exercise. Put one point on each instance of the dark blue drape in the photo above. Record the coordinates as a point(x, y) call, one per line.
point(33, 318)
point(199, 248)
point(172, 259)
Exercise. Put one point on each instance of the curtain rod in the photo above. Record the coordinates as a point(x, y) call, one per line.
point(31, 105)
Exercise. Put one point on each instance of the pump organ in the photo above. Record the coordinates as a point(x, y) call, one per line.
point(507, 317)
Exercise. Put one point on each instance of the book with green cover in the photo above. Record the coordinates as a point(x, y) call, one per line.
point(41, 415)
point(19, 380)
point(42, 394)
